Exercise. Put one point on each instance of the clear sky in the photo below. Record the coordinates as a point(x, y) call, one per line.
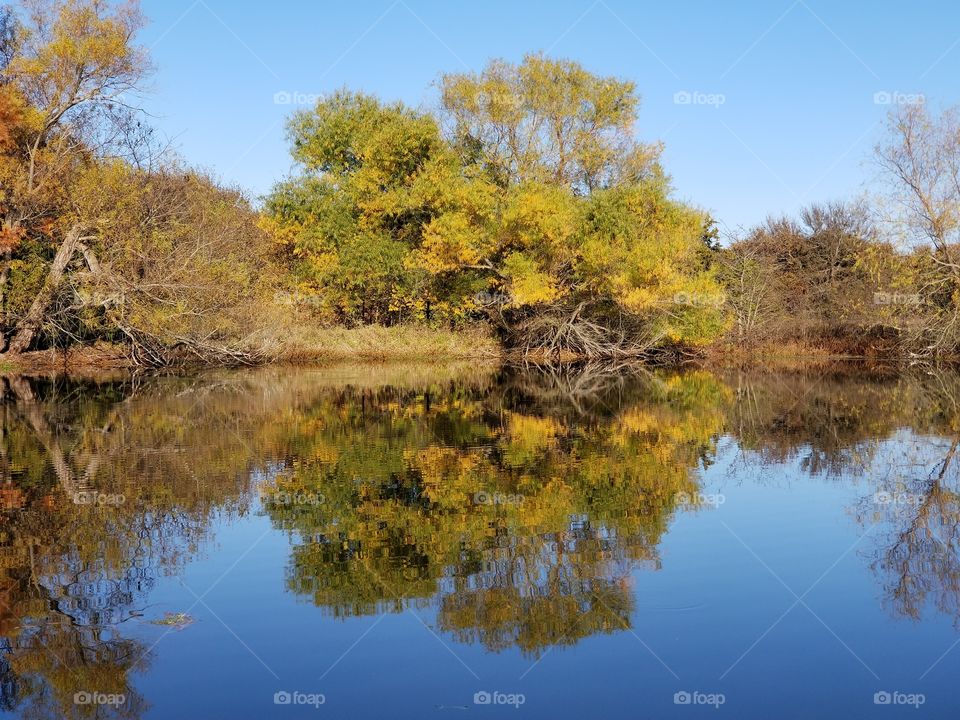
point(763, 105)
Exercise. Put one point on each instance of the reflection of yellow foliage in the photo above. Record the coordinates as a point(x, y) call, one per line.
point(638, 420)
point(531, 432)
point(450, 477)
point(326, 453)
point(524, 509)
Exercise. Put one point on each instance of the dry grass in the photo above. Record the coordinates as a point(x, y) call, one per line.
point(376, 342)
point(783, 355)
point(302, 344)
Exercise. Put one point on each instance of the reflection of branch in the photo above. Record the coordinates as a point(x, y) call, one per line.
point(916, 539)
point(946, 460)
point(29, 408)
point(582, 388)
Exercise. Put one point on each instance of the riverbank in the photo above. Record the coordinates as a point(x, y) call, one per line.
point(402, 343)
point(398, 342)
point(421, 344)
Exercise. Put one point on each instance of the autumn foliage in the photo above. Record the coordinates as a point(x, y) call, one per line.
point(103, 235)
point(524, 205)
point(536, 211)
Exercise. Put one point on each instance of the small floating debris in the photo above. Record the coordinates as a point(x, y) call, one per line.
point(177, 621)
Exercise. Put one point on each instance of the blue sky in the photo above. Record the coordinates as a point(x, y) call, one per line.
point(762, 106)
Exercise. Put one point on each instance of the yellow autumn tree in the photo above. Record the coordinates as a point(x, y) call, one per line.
point(529, 204)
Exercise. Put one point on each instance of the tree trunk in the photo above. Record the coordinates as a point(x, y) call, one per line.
point(28, 326)
point(27, 406)
point(4, 279)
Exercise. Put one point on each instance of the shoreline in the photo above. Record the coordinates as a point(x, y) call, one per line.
point(456, 348)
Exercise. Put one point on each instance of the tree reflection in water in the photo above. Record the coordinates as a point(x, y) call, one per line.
point(513, 504)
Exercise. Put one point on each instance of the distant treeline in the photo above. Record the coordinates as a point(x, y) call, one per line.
point(524, 204)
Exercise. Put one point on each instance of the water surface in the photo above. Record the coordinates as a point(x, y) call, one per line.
point(417, 542)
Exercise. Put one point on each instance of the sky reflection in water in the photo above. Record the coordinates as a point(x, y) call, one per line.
point(414, 542)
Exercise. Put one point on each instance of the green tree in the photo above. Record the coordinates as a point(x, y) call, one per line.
point(538, 212)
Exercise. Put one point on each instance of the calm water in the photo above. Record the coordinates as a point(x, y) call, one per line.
point(427, 542)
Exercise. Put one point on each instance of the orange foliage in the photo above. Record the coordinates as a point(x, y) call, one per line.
point(10, 116)
point(10, 238)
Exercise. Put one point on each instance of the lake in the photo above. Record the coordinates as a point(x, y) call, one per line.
point(436, 541)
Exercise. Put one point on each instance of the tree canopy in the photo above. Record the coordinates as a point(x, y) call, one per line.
point(526, 202)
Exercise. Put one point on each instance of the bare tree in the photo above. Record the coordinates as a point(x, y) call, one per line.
point(749, 279)
point(920, 163)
